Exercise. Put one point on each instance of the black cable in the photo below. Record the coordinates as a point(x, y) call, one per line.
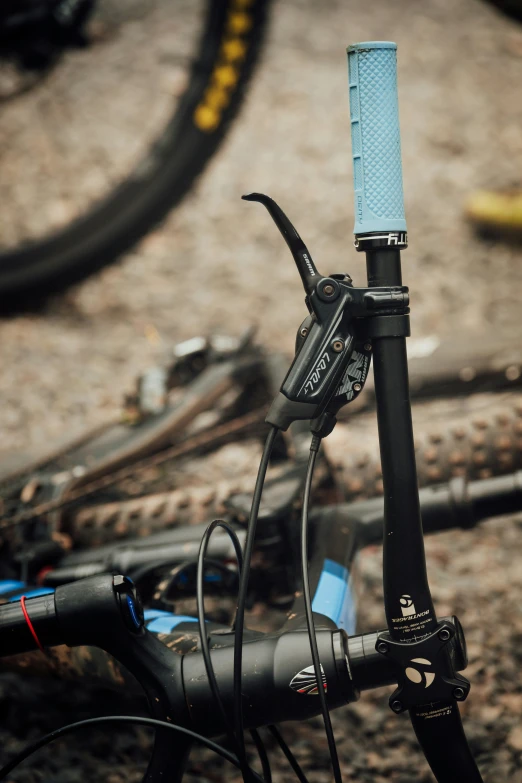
point(314, 448)
point(263, 755)
point(242, 594)
point(141, 572)
point(34, 746)
point(205, 649)
point(288, 753)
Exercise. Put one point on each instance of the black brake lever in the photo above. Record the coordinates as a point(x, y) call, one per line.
point(301, 254)
point(325, 373)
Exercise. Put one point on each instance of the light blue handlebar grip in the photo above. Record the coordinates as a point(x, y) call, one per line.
point(376, 138)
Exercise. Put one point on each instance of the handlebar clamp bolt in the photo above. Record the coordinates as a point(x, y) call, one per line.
point(382, 647)
point(444, 635)
point(397, 705)
point(337, 345)
point(459, 694)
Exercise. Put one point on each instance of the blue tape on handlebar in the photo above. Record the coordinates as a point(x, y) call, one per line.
point(334, 597)
point(376, 139)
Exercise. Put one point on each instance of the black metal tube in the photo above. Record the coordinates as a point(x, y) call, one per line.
point(383, 267)
point(496, 496)
point(408, 603)
point(15, 635)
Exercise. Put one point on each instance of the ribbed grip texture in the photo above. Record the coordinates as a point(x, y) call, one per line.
point(376, 140)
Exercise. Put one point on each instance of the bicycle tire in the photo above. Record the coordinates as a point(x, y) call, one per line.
point(480, 438)
point(471, 442)
point(160, 180)
point(512, 8)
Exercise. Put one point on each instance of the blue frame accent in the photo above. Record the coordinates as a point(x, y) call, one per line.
point(6, 585)
point(32, 593)
point(165, 622)
point(334, 597)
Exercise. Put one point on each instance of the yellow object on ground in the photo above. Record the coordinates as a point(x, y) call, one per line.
point(496, 210)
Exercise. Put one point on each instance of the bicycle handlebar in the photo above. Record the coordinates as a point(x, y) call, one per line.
point(376, 141)
point(105, 611)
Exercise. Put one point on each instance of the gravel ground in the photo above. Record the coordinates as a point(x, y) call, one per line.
point(218, 264)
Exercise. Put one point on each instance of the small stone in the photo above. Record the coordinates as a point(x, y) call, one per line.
point(514, 738)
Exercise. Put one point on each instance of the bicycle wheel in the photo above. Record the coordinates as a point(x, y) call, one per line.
point(100, 176)
point(511, 8)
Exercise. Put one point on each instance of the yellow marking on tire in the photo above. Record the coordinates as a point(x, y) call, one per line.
point(226, 76)
point(234, 49)
point(206, 118)
point(216, 98)
point(239, 23)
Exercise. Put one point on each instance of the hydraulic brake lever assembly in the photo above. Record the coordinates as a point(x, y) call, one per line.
point(334, 343)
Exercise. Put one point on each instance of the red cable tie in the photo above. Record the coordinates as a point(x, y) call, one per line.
point(29, 624)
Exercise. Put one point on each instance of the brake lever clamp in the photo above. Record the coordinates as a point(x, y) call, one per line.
point(333, 346)
point(426, 670)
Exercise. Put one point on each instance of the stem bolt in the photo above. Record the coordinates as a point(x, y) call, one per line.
point(303, 332)
point(459, 694)
point(444, 635)
point(396, 705)
point(382, 647)
point(338, 346)
point(328, 290)
point(357, 387)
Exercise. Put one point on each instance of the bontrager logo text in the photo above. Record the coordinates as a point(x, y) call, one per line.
point(411, 617)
